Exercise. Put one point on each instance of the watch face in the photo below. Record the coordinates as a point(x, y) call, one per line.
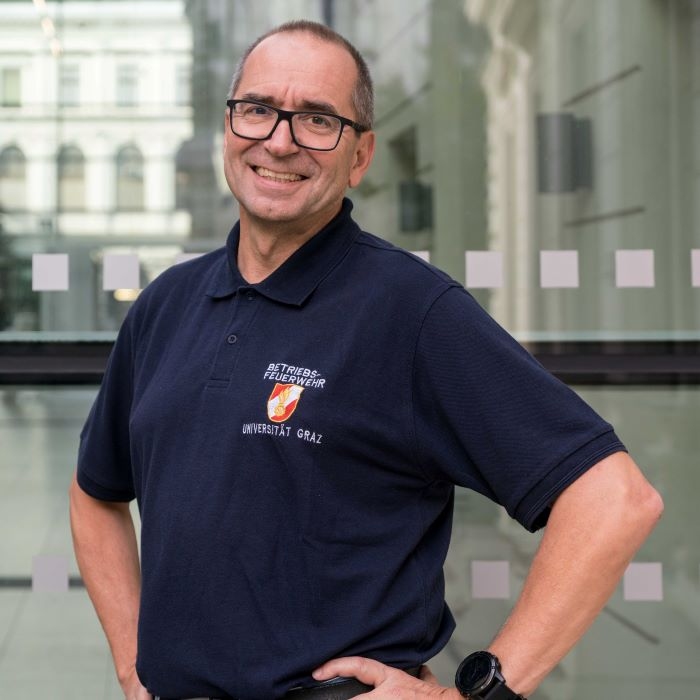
point(476, 672)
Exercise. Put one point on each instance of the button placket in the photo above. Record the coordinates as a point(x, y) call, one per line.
point(242, 312)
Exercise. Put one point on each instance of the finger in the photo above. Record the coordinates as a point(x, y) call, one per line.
point(365, 670)
point(427, 675)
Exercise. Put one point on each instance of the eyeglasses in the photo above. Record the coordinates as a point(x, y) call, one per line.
point(317, 131)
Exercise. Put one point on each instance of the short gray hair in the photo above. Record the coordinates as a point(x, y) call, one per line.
point(363, 92)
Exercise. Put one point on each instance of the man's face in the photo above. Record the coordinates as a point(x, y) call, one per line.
point(275, 181)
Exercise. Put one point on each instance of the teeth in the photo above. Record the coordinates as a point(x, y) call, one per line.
point(281, 177)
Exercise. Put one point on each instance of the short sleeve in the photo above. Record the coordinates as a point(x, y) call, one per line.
point(490, 418)
point(104, 461)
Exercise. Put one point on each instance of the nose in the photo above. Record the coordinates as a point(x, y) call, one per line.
point(280, 141)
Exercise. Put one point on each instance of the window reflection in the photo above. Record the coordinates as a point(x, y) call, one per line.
point(519, 131)
point(130, 179)
point(13, 173)
point(71, 178)
point(127, 85)
point(69, 85)
point(10, 87)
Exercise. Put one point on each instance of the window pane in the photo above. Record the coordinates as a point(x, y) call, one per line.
point(568, 151)
point(54, 646)
point(11, 87)
point(619, 657)
point(127, 85)
point(71, 179)
point(69, 85)
point(129, 179)
point(13, 173)
point(648, 622)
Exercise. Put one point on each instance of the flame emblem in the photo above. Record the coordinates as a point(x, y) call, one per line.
point(283, 401)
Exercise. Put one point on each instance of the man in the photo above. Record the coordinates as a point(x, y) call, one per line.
point(292, 413)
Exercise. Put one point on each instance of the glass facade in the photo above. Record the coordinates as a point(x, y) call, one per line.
point(543, 152)
point(643, 646)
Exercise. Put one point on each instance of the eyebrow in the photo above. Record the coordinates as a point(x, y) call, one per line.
point(306, 105)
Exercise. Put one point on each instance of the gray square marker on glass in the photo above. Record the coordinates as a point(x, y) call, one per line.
point(484, 269)
point(120, 271)
point(184, 257)
point(695, 267)
point(559, 269)
point(49, 272)
point(49, 573)
point(490, 579)
point(643, 581)
point(634, 268)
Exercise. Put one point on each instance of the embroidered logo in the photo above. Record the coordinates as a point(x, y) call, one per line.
point(283, 402)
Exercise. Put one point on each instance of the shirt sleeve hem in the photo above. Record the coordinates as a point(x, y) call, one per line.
point(533, 511)
point(102, 493)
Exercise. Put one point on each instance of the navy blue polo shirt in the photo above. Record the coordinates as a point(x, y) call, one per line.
point(294, 446)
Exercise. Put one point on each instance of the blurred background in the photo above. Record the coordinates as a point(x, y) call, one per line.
point(545, 153)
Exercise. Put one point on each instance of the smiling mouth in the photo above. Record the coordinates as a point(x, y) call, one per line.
point(278, 177)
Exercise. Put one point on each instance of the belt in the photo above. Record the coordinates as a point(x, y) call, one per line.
point(334, 689)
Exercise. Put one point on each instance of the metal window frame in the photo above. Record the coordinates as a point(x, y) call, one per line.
point(608, 363)
point(53, 362)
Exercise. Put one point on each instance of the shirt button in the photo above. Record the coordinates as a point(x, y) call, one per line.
point(250, 296)
point(232, 339)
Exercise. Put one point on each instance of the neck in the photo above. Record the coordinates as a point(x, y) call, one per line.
point(260, 255)
point(263, 248)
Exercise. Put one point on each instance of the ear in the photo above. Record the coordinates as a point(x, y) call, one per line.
point(362, 157)
point(227, 129)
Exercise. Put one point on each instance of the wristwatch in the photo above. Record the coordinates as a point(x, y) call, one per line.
point(479, 677)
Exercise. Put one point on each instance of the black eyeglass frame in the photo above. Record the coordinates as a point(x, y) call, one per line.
point(286, 115)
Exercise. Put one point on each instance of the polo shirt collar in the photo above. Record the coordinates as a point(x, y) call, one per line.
point(298, 276)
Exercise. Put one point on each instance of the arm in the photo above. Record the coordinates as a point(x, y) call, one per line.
point(107, 554)
point(595, 527)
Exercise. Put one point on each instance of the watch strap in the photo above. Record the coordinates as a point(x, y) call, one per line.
point(501, 691)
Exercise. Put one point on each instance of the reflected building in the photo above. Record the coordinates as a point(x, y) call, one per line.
point(593, 147)
point(125, 144)
point(425, 190)
point(95, 105)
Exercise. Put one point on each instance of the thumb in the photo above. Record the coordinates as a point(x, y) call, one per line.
point(365, 670)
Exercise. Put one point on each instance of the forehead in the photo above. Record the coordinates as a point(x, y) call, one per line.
point(296, 67)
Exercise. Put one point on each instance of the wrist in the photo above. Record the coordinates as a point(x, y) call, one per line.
point(518, 674)
point(125, 674)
